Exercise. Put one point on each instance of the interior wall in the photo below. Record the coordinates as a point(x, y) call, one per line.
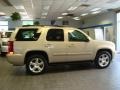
point(90, 32)
point(101, 19)
point(14, 24)
point(118, 32)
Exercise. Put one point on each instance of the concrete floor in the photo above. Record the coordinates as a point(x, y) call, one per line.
point(61, 77)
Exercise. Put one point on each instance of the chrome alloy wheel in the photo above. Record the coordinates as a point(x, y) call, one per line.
point(36, 65)
point(103, 60)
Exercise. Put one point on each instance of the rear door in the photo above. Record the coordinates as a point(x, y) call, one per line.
point(26, 38)
point(56, 45)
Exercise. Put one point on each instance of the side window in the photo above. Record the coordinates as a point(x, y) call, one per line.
point(76, 36)
point(27, 35)
point(55, 35)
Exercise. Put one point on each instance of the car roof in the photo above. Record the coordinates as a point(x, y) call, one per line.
point(58, 27)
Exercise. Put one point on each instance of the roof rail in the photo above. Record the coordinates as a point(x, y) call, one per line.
point(45, 25)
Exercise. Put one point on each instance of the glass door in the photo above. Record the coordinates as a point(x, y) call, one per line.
point(99, 35)
point(118, 32)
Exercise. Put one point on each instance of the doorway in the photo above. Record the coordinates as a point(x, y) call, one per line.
point(118, 32)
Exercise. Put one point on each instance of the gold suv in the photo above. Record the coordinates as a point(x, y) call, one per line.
point(38, 46)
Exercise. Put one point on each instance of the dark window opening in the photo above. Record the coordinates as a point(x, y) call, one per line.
point(77, 36)
point(55, 35)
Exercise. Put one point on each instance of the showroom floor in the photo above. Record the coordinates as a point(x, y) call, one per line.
point(61, 77)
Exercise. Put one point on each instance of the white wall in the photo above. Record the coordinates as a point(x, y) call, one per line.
point(118, 32)
point(101, 19)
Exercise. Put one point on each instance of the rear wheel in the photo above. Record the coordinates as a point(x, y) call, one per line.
point(36, 64)
point(103, 59)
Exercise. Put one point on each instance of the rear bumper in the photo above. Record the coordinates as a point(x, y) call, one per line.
point(15, 59)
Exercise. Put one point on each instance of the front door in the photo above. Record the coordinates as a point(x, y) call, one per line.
point(79, 47)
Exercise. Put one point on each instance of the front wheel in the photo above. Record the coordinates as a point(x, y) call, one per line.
point(36, 64)
point(103, 59)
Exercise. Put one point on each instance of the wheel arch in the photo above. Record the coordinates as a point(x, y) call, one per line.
point(105, 49)
point(39, 52)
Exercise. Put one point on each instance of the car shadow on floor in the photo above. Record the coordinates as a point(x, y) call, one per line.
point(58, 68)
point(66, 67)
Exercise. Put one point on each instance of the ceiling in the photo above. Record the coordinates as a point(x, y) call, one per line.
point(51, 9)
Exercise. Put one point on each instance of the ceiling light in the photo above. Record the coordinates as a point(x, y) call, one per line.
point(46, 7)
point(95, 9)
point(43, 17)
point(59, 17)
point(64, 14)
point(2, 13)
point(32, 3)
point(23, 13)
point(44, 13)
point(72, 8)
point(25, 17)
point(19, 7)
point(84, 14)
point(96, 12)
point(83, 0)
point(76, 18)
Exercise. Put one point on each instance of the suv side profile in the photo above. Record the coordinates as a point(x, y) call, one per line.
point(38, 46)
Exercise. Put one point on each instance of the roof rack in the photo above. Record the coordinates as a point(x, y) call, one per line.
point(46, 25)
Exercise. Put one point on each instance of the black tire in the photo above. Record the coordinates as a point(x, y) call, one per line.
point(103, 59)
point(36, 64)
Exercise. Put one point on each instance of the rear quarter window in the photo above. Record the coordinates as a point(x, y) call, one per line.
point(27, 35)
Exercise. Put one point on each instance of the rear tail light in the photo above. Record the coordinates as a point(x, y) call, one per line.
point(10, 47)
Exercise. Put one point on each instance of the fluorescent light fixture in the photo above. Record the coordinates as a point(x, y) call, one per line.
point(23, 13)
point(84, 14)
point(43, 17)
point(59, 17)
point(64, 14)
point(76, 18)
point(25, 17)
point(32, 3)
point(2, 13)
point(19, 7)
point(95, 9)
point(46, 7)
point(96, 12)
point(72, 8)
point(45, 13)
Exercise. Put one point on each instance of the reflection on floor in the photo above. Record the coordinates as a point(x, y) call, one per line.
point(61, 77)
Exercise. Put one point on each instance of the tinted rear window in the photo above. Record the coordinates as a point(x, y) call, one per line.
point(55, 35)
point(27, 35)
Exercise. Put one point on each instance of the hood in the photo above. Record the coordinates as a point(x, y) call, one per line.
point(104, 44)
